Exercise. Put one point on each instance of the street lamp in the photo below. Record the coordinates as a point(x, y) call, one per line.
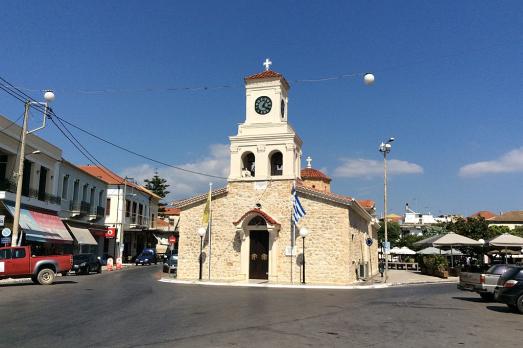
point(482, 241)
point(49, 97)
point(368, 79)
point(385, 148)
point(303, 233)
point(201, 232)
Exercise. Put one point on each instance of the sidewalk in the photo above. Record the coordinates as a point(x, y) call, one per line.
point(396, 278)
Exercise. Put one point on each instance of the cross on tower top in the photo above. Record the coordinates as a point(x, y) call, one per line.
point(267, 64)
point(309, 160)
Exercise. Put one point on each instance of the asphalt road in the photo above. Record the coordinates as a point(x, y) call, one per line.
point(131, 308)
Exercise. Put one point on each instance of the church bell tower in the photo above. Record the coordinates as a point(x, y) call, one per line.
point(266, 146)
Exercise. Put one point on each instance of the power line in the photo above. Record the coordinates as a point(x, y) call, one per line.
point(82, 148)
point(20, 96)
point(136, 153)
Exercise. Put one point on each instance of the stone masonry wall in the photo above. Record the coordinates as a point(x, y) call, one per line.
point(333, 249)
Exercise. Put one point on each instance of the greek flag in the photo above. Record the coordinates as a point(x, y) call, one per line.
point(298, 212)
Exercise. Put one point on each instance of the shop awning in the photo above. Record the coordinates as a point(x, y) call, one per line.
point(82, 235)
point(41, 227)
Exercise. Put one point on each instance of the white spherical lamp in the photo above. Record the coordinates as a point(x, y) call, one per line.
point(304, 232)
point(49, 96)
point(481, 240)
point(201, 231)
point(368, 79)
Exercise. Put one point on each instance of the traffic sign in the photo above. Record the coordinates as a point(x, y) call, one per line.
point(6, 232)
point(5, 240)
point(2, 220)
point(172, 239)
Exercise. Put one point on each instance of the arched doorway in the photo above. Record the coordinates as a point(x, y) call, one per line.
point(258, 248)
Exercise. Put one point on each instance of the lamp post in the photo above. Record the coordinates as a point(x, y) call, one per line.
point(385, 149)
point(482, 241)
point(49, 97)
point(201, 232)
point(303, 233)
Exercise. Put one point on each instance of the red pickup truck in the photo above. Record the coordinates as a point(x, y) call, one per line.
point(18, 262)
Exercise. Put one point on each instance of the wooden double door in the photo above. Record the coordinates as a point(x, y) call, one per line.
point(259, 255)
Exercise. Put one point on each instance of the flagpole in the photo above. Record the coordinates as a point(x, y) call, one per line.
point(209, 227)
point(292, 244)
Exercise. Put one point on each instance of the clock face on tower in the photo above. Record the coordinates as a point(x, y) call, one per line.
point(263, 105)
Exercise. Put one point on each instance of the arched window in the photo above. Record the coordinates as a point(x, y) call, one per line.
point(248, 164)
point(276, 164)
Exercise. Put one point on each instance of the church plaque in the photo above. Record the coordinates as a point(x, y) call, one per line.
point(260, 185)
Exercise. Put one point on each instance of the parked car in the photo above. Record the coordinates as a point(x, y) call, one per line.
point(170, 264)
point(146, 257)
point(483, 283)
point(510, 289)
point(19, 262)
point(86, 263)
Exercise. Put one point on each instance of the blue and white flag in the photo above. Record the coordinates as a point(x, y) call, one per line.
point(297, 212)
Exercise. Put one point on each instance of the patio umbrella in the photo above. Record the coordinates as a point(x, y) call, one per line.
point(453, 252)
point(395, 250)
point(406, 251)
point(453, 239)
point(507, 240)
point(430, 251)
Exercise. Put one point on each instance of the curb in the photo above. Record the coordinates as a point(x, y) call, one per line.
point(292, 286)
point(278, 286)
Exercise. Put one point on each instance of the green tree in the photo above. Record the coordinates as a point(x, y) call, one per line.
point(408, 241)
point(393, 232)
point(157, 185)
point(497, 230)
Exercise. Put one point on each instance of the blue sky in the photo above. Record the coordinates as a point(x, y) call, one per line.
point(448, 87)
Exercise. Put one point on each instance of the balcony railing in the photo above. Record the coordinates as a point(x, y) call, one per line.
point(138, 220)
point(100, 212)
point(9, 186)
point(81, 207)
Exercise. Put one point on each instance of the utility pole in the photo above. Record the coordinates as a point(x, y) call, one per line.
point(49, 97)
point(385, 148)
point(20, 178)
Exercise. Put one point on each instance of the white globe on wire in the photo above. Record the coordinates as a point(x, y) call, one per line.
point(201, 231)
point(368, 79)
point(49, 96)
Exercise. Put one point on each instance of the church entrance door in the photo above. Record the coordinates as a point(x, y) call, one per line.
point(259, 255)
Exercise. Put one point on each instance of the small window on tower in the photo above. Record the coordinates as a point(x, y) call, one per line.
point(276, 164)
point(248, 164)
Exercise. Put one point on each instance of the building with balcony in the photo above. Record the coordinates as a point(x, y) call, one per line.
point(40, 204)
point(130, 208)
point(83, 200)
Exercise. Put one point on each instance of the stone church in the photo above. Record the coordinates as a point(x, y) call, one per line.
point(252, 227)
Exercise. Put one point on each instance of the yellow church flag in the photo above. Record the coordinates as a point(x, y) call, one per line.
point(207, 210)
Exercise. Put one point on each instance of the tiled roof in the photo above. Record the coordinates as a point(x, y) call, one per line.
point(112, 178)
point(311, 173)
point(484, 214)
point(511, 216)
point(257, 211)
point(334, 197)
point(267, 74)
point(199, 198)
point(367, 203)
point(329, 196)
point(171, 211)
